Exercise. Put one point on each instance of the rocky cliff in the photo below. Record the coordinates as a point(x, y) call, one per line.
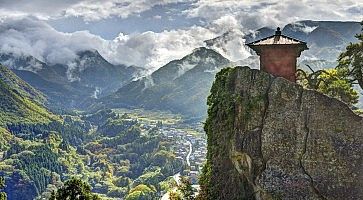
point(269, 138)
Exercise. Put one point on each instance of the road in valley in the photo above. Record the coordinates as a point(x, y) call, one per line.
point(177, 175)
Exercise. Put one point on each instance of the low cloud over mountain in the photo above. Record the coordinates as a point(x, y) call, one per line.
point(29, 36)
point(150, 50)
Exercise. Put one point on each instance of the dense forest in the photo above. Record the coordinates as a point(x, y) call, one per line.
point(107, 150)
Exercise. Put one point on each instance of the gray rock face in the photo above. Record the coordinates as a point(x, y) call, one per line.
point(269, 138)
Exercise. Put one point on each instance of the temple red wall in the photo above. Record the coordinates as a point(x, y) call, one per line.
point(279, 61)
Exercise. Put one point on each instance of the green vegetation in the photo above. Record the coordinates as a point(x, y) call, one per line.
point(221, 89)
point(174, 196)
point(141, 192)
point(20, 86)
point(231, 105)
point(339, 82)
point(352, 60)
point(106, 149)
point(110, 150)
point(2, 186)
point(15, 106)
point(74, 189)
point(186, 188)
point(332, 82)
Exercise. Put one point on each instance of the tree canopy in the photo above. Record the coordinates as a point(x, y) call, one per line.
point(74, 189)
point(141, 192)
point(332, 82)
point(339, 82)
point(352, 60)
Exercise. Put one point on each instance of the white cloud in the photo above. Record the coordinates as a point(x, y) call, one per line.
point(303, 27)
point(42, 9)
point(153, 50)
point(89, 10)
point(256, 14)
point(95, 10)
point(150, 50)
point(252, 14)
point(29, 36)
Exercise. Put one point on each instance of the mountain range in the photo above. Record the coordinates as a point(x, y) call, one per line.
point(181, 86)
point(68, 85)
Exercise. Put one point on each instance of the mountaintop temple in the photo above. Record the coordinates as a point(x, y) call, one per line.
point(278, 54)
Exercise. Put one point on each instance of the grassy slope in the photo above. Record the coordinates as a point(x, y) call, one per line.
point(13, 81)
point(19, 102)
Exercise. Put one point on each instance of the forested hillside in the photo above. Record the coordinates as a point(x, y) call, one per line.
point(111, 151)
point(19, 102)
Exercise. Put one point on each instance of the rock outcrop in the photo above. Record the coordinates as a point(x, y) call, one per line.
point(269, 138)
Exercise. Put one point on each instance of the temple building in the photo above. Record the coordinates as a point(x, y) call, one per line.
point(278, 54)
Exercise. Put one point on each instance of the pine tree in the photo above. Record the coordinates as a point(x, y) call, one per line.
point(352, 60)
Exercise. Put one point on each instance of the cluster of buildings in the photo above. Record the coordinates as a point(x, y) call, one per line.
point(189, 147)
point(192, 148)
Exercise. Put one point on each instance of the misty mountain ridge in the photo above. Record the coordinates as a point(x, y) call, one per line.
point(68, 85)
point(181, 85)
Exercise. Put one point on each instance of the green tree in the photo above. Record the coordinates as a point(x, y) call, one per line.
point(352, 60)
point(174, 196)
point(141, 192)
point(332, 82)
point(2, 186)
point(336, 84)
point(74, 189)
point(186, 188)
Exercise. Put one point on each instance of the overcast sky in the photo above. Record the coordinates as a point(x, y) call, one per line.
point(147, 33)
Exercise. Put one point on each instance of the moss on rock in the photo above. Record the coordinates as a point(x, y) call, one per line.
point(269, 138)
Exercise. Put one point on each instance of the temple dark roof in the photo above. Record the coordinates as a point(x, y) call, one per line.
point(278, 39)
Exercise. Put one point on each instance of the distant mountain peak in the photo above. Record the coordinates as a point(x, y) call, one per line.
point(230, 45)
point(204, 52)
point(21, 62)
point(225, 37)
point(89, 53)
point(181, 85)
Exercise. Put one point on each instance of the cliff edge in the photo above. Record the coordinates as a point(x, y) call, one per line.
point(269, 138)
